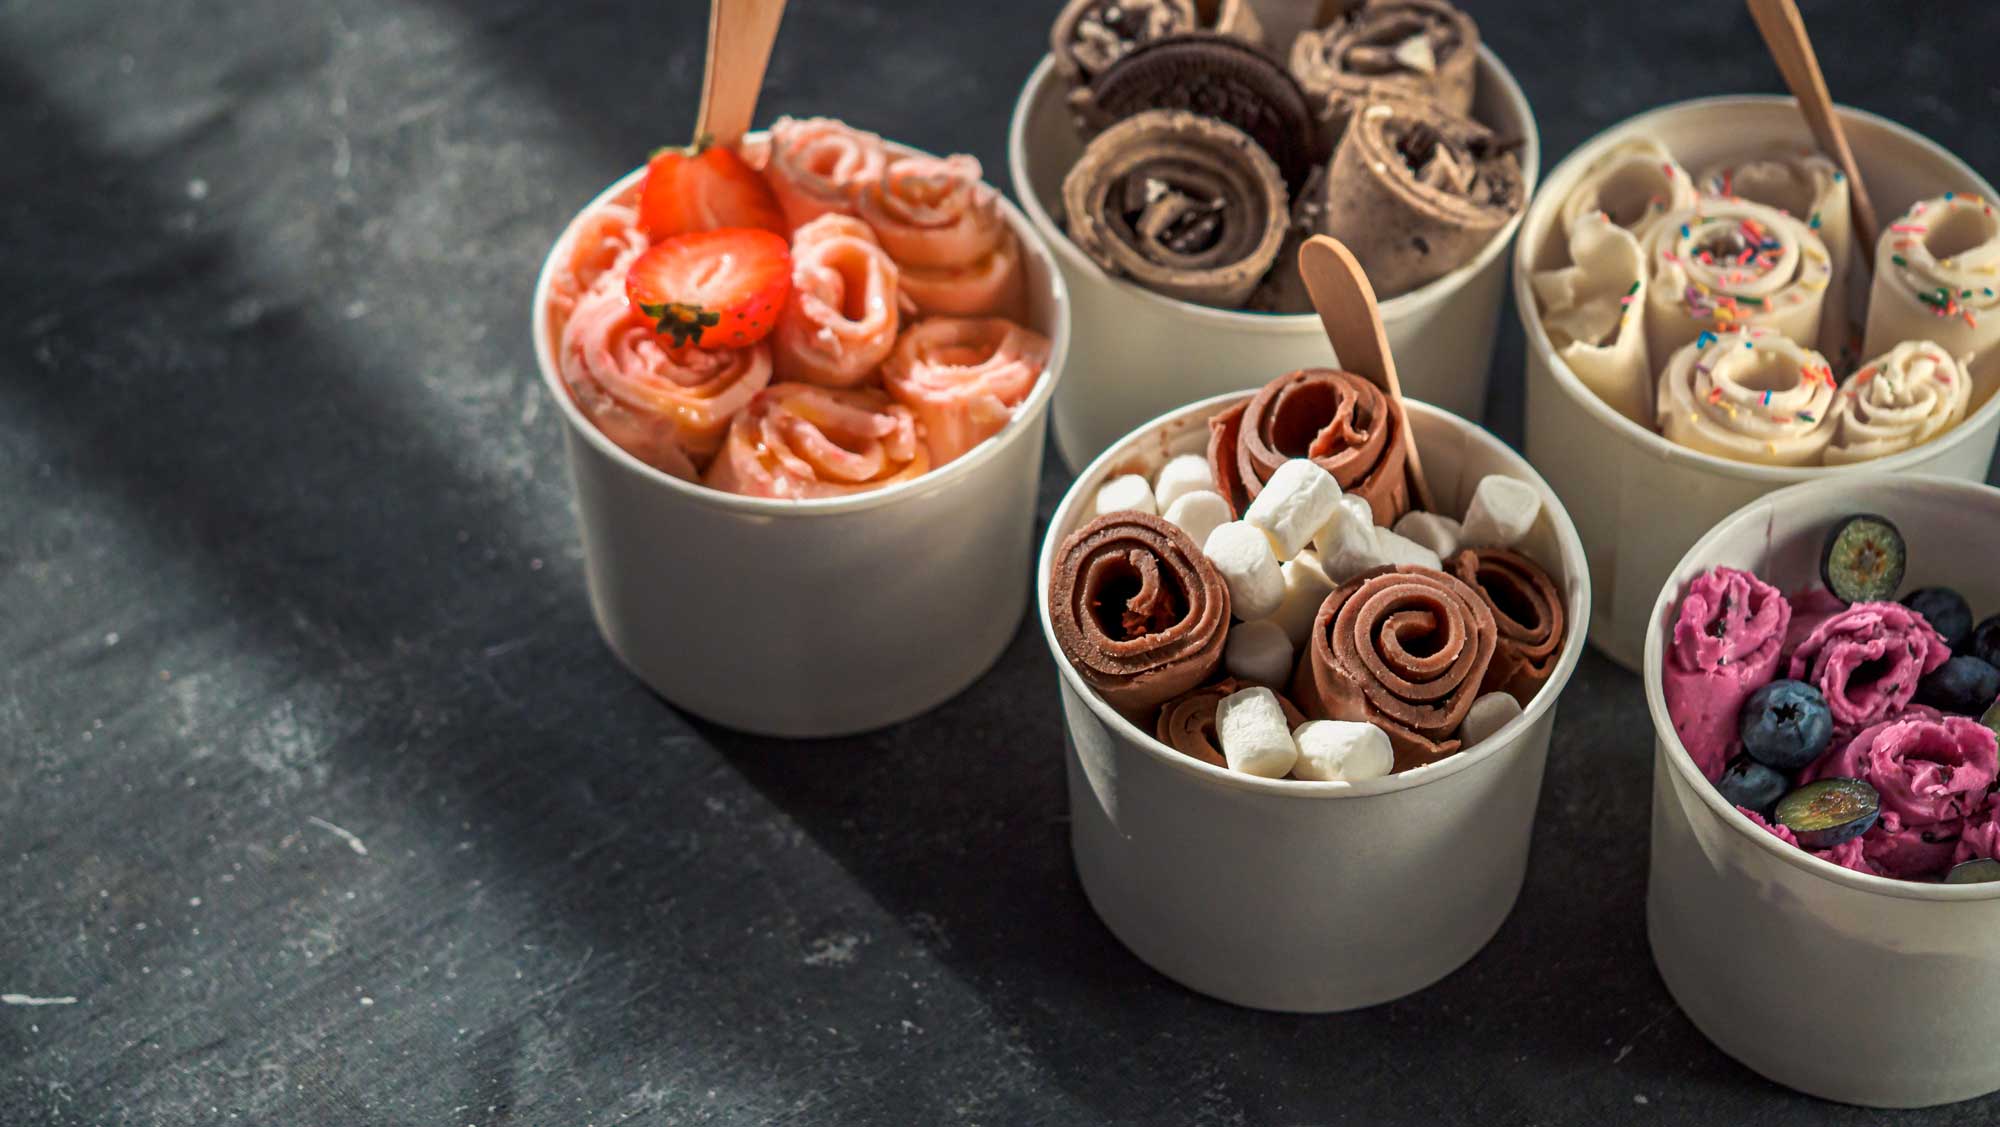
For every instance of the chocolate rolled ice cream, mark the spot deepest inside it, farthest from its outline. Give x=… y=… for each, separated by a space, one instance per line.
x=1138 y=609
x=1527 y=612
x=1404 y=648
x=1184 y=205
x=1424 y=50
x=1207 y=228
x=1415 y=191
x=1187 y=723
x=1340 y=421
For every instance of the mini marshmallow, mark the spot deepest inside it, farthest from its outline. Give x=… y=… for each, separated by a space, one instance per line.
x=1255 y=736
x=1258 y=651
x=1306 y=588
x=1242 y=553
x=1129 y=492
x=1352 y=527
x=1181 y=476
x=1295 y=504
x=1401 y=550
x=1488 y=714
x=1330 y=750
x=1199 y=513
x=1438 y=533
x=1503 y=509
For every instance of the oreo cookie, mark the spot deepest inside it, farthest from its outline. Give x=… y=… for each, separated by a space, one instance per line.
x=1219 y=77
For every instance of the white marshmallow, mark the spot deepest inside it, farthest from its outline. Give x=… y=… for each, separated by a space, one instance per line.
x=1487 y=715
x=1342 y=749
x=1242 y=553
x=1130 y=492
x=1503 y=509
x=1351 y=527
x=1198 y=514
x=1181 y=476
x=1255 y=736
x=1306 y=588
x=1433 y=531
x=1400 y=550
x=1258 y=651
x=1295 y=504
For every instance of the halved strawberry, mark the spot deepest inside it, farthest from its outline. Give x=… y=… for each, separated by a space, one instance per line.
x=713 y=289
x=705 y=187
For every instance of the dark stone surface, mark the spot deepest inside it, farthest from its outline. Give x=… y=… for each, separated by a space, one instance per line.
x=287 y=547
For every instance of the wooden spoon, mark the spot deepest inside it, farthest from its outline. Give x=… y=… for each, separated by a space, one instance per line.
x=1784 y=33
x=740 y=34
x=1353 y=322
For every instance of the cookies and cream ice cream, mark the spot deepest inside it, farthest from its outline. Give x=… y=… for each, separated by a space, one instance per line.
x=1421 y=50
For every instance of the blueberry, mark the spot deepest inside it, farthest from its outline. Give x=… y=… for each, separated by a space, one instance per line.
x=1785 y=725
x=1751 y=785
x=1979 y=871
x=1825 y=813
x=1863 y=559
x=1984 y=643
x=1946 y=610
x=1964 y=685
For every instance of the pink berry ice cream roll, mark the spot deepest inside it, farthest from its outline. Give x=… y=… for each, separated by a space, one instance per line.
x=1727 y=639
x=1935 y=776
x=1867 y=661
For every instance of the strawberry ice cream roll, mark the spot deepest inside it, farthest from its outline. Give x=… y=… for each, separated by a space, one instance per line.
x=1726 y=642
x=942 y=224
x=964 y=376
x=843 y=314
x=816 y=165
x=640 y=389
x=606 y=240
x=1867 y=660
x=1934 y=776
x=798 y=441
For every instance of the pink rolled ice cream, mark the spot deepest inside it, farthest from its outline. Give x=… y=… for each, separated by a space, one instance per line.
x=1782 y=833
x=1867 y=661
x=1934 y=775
x=1982 y=835
x=1726 y=642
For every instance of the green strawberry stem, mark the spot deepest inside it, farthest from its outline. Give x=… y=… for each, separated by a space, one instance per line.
x=686 y=322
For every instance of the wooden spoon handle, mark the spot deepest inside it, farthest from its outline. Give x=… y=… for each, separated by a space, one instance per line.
x=1353 y=322
x=1784 y=32
x=740 y=34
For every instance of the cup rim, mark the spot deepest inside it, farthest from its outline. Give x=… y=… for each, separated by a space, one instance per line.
x=1026 y=416
x=1041 y=79
x=1575 y=568
x=1676 y=754
x=1526 y=307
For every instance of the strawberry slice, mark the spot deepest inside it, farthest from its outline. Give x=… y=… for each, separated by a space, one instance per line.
x=705 y=187
x=713 y=289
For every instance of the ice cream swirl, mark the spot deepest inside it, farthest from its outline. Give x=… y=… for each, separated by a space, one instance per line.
x=1937 y=277
x=1418 y=49
x=1752 y=396
x=796 y=440
x=1728 y=264
x=1907 y=397
x=1338 y=419
x=1184 y=205
x=1090 y=35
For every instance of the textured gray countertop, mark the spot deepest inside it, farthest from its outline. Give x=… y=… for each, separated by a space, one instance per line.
x=322 y=799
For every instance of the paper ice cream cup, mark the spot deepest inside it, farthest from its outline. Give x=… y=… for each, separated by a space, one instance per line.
x=817 y=617
x=1638 y=499
x=1138 y=354
x=1307 y=896
x=1840 y=984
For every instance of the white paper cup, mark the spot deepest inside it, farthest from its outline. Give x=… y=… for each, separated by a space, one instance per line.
x=1304 y=896
x=1138 y=354
x=1843 y=985
x=1638 y=499
x=820 y=617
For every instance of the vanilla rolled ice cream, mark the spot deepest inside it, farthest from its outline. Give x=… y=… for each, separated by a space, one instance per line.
x=1908 y=396
x=1808 y=186
x=1751 y=396
x=1415 y=191
x=1182 y=204
x=1635 y=186
x=1730 y=263
x=1409 y=49
x=1593 y=310
x=1937 y=278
